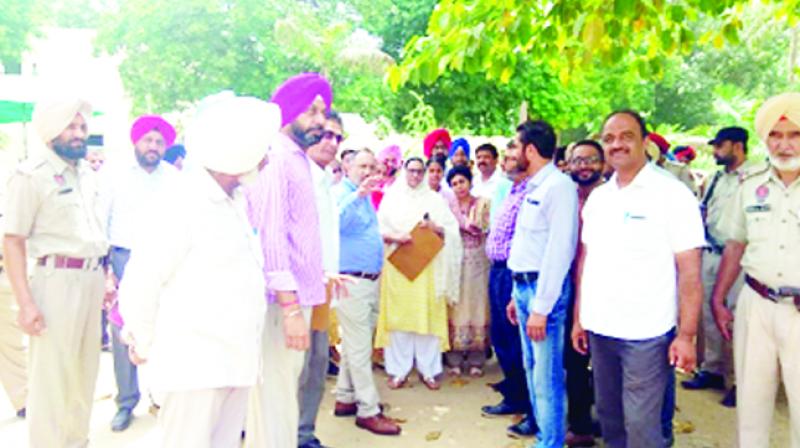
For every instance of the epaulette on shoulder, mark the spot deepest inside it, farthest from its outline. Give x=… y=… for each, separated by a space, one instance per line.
x=28 y=166
x=753 y=171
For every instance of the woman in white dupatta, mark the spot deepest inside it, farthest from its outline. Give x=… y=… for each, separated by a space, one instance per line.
x=412 y=324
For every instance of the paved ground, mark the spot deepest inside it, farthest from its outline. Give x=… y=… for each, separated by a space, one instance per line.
x=446 y=418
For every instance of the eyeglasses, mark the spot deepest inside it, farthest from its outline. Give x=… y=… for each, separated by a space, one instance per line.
x=417 y=172
x=583 y=161
x=330 y=135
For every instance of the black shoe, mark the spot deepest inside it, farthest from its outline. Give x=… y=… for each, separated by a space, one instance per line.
x=730 y=398
x=525 y=429
x=312 y=444
x=500 y=410
x=21 y=413
x=333 y=369
x=122 y=420
x=704 y=380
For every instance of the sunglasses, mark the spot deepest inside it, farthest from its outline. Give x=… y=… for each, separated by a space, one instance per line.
x=330 y=135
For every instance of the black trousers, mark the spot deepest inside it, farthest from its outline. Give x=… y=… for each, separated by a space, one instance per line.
x=580 y=393
x=505 y=340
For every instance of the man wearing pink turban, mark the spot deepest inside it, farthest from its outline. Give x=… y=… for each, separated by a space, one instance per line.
x=283 y=210
x=391 y=157
x=129 y=188
x=437 y=143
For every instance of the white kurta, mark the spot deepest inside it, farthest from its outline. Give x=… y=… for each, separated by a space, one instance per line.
x=193 y=292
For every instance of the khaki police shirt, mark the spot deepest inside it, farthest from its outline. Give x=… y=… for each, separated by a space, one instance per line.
x=683 y=173
x=721 y=198
x=765 y=215
x=55 y=206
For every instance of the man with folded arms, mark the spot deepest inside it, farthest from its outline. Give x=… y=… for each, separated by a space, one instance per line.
x=52 y=216
x=193 y=293
x=762 y=226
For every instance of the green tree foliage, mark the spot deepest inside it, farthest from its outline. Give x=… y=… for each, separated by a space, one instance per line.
x=17 y=21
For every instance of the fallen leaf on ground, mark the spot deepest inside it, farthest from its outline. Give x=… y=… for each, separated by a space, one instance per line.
x=433 y=435
x=399 y=420
x=683 y=427
x=458 y=382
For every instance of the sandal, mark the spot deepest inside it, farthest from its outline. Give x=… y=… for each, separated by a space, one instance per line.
x=475 y=372
x=396 y=382
x=430 y=383
x=454 y=371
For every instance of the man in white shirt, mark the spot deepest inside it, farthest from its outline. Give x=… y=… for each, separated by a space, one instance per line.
x=128 y=191
x=542 y=250
x=312 y=378
x=193 y=294
x=486 y=182
x=640 y=256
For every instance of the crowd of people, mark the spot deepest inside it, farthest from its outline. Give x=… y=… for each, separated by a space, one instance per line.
x=591 y=271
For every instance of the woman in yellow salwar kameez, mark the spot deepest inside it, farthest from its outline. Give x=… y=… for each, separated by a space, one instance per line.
x=412 y=324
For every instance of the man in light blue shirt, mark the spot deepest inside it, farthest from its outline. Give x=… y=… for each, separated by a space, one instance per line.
x=361 y=256
x=542 y=250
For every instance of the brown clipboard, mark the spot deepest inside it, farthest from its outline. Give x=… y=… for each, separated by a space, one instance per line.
x=412 y=258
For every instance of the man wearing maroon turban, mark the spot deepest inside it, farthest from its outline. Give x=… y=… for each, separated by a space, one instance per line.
x=437 y=143
x=129 y=188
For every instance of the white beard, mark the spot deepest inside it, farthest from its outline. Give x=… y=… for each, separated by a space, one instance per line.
x=792 y=164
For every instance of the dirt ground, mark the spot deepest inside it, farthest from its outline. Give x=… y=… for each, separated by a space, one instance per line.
x=449 y=417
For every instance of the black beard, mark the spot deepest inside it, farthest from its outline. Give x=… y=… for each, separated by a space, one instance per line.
x=724 y=161
x=585 y=182
x=70 y=152
x=144 y=162
x=305 y=138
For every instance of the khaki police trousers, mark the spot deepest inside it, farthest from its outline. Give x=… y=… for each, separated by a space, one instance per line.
x=64 y=360
x=716 y=353
x=767 y=350
x=12 y=348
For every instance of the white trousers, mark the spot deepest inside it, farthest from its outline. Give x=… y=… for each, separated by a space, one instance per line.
x=407 y=348
x=205 y=418
x=273 y=412
x=766 y=340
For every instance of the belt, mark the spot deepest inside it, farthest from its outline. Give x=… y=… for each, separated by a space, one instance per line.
x=499 y=264
x=525 y=277
x=364 y=275
x=717 y=250
x=773 y=294
x=62 y=262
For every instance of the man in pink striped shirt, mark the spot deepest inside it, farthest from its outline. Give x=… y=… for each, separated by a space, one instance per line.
x=282 y=209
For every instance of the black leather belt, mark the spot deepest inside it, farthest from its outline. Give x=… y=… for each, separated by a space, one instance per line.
x=771 y=294
x=364 y=275
x=499 y=264
x=525 y=277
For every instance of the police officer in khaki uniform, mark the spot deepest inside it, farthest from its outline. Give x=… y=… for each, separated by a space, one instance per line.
x=730 y=151
x=53 y=218
x=763 y=230
x=12 y=347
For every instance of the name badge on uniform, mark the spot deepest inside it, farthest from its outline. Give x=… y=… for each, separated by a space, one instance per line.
x=532 y=201
x=65 y=191
x=634 y=217
x=760 y=208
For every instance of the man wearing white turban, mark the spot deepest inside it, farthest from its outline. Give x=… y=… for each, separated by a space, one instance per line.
x=763 y=239
x=52 y=217
x=193 y=296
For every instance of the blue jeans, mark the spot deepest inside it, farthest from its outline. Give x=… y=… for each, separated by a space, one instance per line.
x=505 y=339
x=544 y=365
x=125 y=372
